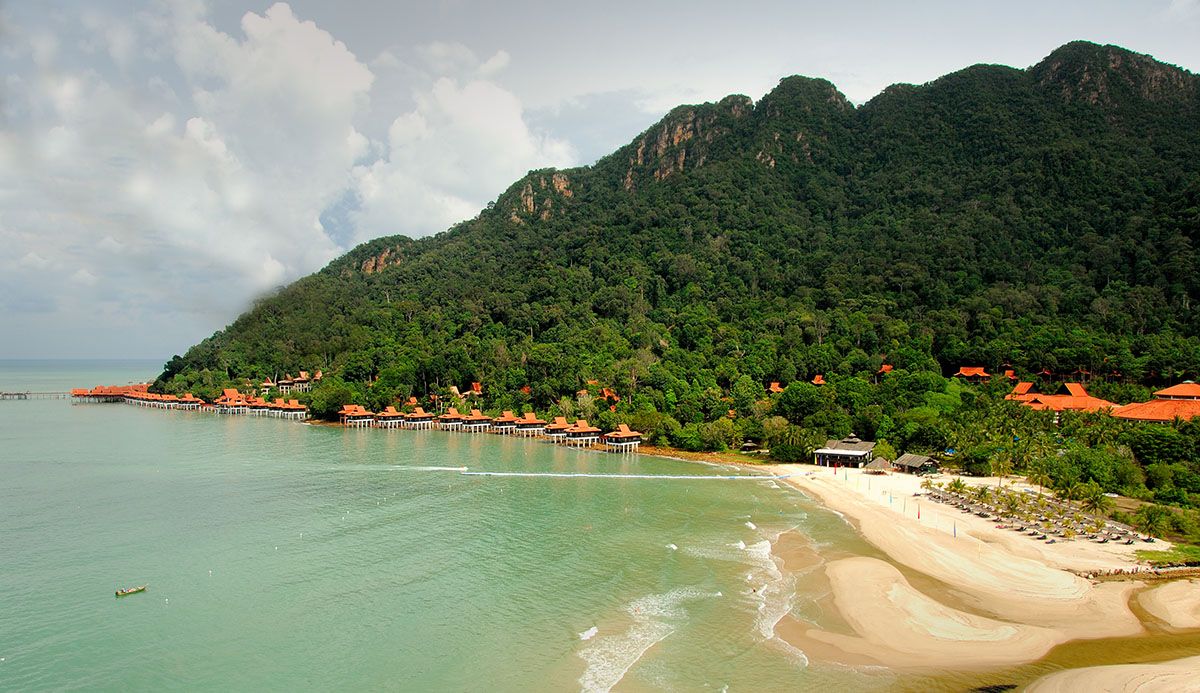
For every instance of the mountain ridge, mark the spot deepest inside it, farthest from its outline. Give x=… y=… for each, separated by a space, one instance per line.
x=966 y=218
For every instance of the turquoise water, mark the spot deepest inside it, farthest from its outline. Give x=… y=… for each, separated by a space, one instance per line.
x=287 y=556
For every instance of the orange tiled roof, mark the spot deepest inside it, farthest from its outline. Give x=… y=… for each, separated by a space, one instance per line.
x=506 y=417
x=624 y=432
x=451 y=414
x=885 y=368
x=582 y=426
x=530 y=418
x=973 y=371
x=1184 y=390
x=774 y=387
x=560 y=424
x=1078 y=399
x=819 y=379
x=1160 y=410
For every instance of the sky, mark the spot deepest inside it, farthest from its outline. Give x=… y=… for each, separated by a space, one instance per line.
x=163 y=164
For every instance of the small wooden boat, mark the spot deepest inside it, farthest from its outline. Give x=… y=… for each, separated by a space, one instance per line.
x=131 y=590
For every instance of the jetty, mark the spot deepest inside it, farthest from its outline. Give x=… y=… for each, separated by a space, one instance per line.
x=34 y=395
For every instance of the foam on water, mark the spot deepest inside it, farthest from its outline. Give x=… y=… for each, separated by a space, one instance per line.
x=609 y=658
x=751 y=525
x=589 y=633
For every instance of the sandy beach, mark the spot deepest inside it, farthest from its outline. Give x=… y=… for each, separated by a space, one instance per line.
x=1176 y=604
x=1013 y=598
x=1178 y=676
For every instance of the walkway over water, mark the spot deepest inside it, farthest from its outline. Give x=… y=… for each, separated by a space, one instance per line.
x=34 y=395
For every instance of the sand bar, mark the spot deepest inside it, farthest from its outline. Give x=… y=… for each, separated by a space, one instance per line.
x=1176 y=603
x=1178 y=676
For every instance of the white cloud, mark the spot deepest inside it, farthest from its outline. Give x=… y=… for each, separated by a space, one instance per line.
x=464 y=142
x=171 y=169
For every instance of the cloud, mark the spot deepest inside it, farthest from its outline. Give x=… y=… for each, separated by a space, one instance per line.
x=464 y=141
x=159 y=170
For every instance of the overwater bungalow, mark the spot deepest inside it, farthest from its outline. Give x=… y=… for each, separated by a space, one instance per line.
x=582 y=434
x=230 y=402
x=418 y=419
x=294 y=410
x=354 y=416
x=505 y=424
x=623 y=439
x=530 y=425
x=451 y=420
x=256 y=406
x=190 y=402
x=557 y=431
x=476 y=422
x=389 y=418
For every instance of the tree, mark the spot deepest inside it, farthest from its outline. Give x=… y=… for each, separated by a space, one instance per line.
x=884 y=449
x=799 y=401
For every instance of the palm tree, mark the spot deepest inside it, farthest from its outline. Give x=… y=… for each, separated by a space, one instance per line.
x=1097 y=503
x=956 y=486
x=1038 y=477
x=981 y=493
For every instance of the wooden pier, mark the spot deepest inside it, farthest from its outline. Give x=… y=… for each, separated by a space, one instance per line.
x=34 y=395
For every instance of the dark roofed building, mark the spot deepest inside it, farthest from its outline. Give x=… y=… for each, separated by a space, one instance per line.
x=847 y=452
x=915 y=464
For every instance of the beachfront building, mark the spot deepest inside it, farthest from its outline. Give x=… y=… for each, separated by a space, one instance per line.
x=582 y=434
x=418 y=419
x=389 y=418
x=505 y=424
x=847 y=452
x=915 y=464
x=1180 y=401
x=973 y=374
x=451 y=420
x=530 y=425
x=557 y=430
x=476 y=422
x=354 y=416
x=623 y=439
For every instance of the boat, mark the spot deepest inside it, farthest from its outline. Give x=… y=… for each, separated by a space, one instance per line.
x=132 y=590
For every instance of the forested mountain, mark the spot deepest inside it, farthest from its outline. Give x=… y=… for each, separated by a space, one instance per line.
x=1043 y=218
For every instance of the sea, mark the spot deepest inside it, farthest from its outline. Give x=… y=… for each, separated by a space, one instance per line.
x=286 y=556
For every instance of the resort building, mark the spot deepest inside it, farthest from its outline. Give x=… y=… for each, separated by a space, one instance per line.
x=451 y=420
x=264 y=388
x=847 y=452
x=557 y=431
x=582 y=434
x=1180 y=401
x=505 y=424
x=258 y=407
x=354 y=416
x=230 y=402
x=476 y=422
x=189 y=402
x=389 y=418
x=883 y=370
x=302 y=383
x=915 y=464
x=530 y=425
x=1069 y=397
x=819 y=379
x=419 y=419
x=973 y=374
x=285 y=384
x=623 y=439
x=774 y=388
x=292 y=409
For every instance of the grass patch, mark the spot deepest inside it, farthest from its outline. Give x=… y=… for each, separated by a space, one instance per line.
x=1179 y=554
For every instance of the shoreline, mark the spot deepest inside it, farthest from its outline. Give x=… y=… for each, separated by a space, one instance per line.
x=997 y=599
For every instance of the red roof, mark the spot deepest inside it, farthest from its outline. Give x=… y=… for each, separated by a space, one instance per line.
x=624 y=432
x=530 y=418
x=560 y=424
x=1160 y=410
x=1184 y=390
x=775 y=387
x=973 y=372
x=818 y=380
x=1077 y=399
x=885 y=368
x=582 y=426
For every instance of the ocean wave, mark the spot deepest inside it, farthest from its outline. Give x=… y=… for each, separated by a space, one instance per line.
x=609 y=658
